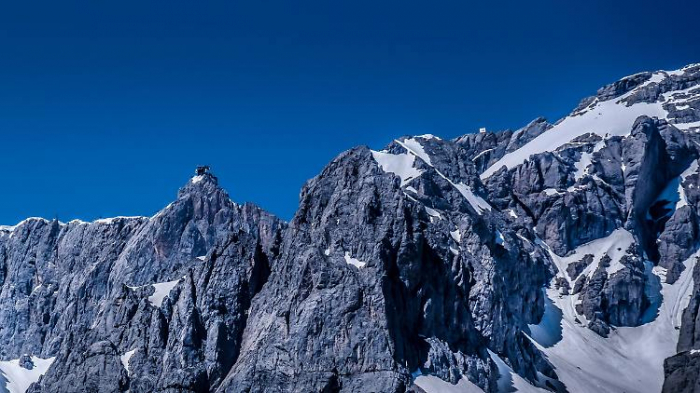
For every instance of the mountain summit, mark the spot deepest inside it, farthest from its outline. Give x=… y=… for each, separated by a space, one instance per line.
x=556 y=257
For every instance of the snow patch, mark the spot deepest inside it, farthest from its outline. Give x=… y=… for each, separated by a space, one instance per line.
x=433 y=213
x=414 y=147
x=17 y=379
x=433 y=384
x=551 y=191
x=456 y=235
x=162 y=290
x=399 y=164
x=125 y=360
x=614 y=245
x=428 y=136
x=197 y=179
x=353 y=261
x=477 y=202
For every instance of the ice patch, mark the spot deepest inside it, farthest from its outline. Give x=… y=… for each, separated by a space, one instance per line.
x=17 y=379
x=353 y=261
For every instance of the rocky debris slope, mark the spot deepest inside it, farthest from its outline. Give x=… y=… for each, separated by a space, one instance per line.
x=525 y=260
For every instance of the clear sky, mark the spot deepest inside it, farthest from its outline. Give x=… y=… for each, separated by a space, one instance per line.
x=106 y=107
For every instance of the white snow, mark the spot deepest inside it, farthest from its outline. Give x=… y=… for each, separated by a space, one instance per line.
x=412 y=189
x=162 y=289
x=606 y=119
x=399 y=164
x=197 y=179
x=353 y=261
x=585 y=161
x=327 y=252
x=433 y=213
x=415 y=147
x=456 y=235
x=433 y=384
x=477 y=202
x=112 y=219
x=509 y=381
x=551 y=191
x=125 y=359
x=511 y=213
x=428 y=136
x=630 y=359
x=687 y=126
x=454 y=250
x=476 y=157
x=614 y=245
x=17 y=379
x=202 y=257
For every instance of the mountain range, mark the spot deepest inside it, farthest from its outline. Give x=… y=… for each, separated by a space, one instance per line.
x=557 y=257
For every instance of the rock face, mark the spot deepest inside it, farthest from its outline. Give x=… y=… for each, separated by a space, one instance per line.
x=477 y=262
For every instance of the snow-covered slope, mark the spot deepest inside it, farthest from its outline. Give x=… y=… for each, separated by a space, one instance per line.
x=608 y=117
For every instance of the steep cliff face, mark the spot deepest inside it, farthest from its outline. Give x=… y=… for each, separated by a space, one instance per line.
x=558 y=257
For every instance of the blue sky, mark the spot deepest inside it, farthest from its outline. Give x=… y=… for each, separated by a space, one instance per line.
x=107 y=107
